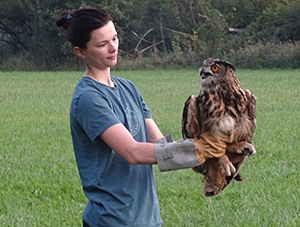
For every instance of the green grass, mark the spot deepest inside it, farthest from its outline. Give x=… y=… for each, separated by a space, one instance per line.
x=39 y=180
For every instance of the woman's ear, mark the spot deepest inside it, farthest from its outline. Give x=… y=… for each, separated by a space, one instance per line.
x=78 y=52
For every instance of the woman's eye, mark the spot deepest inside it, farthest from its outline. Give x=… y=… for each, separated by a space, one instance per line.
x=101 y=44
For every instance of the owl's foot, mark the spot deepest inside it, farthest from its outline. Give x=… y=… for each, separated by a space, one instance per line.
x=246 y=148
x=227 y=168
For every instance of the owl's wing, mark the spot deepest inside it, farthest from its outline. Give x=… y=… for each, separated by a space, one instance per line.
x=251 y=111
x=190 y=125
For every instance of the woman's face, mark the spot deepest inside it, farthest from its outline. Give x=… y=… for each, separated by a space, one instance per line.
x=102 y=49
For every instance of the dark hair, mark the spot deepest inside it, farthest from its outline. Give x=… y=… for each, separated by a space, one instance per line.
x=80 y=23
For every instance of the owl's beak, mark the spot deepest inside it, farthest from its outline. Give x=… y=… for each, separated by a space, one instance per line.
x=204 y=74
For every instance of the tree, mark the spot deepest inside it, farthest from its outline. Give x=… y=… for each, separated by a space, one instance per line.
x=186 y=28
x=278 y=22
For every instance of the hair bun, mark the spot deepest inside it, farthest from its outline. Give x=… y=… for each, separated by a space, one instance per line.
x=64 y=20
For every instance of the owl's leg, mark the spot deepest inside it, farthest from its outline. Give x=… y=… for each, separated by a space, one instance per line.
x=241 y=148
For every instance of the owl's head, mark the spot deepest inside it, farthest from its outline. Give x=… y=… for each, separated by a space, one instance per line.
x=214 y=70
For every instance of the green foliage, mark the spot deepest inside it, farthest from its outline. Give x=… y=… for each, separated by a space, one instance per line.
x=267 y=55
x=185 y=28
x=40 y=184
x=277 y=22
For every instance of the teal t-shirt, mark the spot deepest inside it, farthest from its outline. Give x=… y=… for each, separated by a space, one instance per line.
x=119 y=194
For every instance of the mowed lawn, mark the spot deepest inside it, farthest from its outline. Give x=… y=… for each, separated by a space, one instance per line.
x=40 y=185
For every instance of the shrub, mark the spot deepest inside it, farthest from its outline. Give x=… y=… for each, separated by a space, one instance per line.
x=268 y=55
x=254 y=56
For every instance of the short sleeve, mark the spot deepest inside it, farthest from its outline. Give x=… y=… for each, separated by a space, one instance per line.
x=95 y=114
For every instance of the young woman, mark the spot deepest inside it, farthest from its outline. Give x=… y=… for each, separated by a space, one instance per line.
x=113 y=133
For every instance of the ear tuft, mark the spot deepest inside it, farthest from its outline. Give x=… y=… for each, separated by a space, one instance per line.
x=227 y=63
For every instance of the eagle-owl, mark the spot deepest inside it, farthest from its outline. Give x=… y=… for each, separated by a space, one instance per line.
x=222 y=109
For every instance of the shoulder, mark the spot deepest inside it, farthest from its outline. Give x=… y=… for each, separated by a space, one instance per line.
x=126 y=86
x=87 y=94
x=87 y=87
x=82 y=86
x=122 y=81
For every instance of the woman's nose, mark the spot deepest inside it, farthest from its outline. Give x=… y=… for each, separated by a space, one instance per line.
x=113 y=46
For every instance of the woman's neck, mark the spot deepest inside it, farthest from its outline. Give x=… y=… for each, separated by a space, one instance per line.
x=101 y=76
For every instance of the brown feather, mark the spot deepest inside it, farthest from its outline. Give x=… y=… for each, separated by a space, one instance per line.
x=221 y=108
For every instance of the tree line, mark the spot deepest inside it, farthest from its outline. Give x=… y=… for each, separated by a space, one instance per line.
x=256 y=33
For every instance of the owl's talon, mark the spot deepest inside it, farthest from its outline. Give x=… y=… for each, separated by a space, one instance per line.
x=227 y=168
x=240 y=152
x=249 y=150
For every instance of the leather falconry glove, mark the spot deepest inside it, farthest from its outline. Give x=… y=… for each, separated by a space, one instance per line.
x=190 y=153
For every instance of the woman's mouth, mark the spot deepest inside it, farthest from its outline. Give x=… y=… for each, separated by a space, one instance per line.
x=112 y=57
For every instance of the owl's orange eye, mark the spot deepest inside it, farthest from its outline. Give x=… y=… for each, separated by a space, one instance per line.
x=215 y=68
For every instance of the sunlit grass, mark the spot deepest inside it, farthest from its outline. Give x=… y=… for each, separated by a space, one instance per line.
x=39 y=180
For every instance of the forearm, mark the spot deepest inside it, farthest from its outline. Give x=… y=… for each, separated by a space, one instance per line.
x=169 y=156
x=141 y=153
x=120 y=140
x=153 y=132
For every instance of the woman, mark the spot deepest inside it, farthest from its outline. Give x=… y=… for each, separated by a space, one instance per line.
x=113 y=133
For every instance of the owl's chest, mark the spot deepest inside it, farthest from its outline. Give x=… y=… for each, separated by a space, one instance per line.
x=217 y=114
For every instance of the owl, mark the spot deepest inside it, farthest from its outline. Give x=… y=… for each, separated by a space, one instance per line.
x=224 y=110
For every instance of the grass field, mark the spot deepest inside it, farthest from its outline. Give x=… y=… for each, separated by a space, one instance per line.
x=39 y=181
